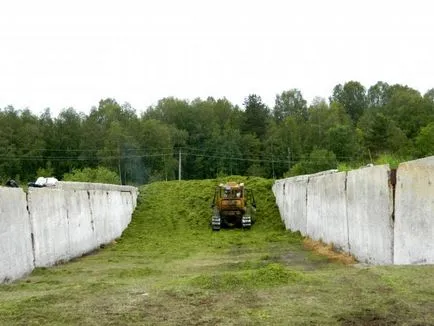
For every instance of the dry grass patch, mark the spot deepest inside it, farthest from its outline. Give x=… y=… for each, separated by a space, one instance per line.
x=329 y=251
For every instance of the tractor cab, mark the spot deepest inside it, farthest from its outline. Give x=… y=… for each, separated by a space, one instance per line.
x=233 y=205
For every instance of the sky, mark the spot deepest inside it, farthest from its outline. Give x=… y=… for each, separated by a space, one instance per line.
x=60 y=54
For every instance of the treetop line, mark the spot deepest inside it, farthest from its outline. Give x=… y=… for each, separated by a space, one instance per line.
x=354 y=127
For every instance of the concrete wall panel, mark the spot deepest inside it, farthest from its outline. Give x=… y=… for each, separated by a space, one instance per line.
x=49 y=218
x=16 y=253
x=118 y=213
x=81 y=229
x=369 y=212
x=129 y=206
x=326 y=209
x=295 y=203
x=414 y=212
x=278 y=192
x=99 y=206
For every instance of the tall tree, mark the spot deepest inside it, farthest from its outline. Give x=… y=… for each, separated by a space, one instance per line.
x=290 y=103
x=30 y=141
x=378 y=95
x=172 y=111
x=67 y=136
x=353 y=98
x=424 y=140
x=381 y=134
x=256 y=116
x=408 y=109
x=157 y=147
x=429 y=95
x=345 y=141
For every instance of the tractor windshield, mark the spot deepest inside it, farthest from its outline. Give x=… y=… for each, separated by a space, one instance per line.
x=232 y=193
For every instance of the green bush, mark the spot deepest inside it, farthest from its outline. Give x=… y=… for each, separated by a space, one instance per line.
x=319 y=160
x=392 y=160
x=99 y=175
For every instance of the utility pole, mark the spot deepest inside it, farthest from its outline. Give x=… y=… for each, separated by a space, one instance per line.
x=179 y=165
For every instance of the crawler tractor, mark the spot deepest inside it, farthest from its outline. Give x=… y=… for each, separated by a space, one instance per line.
x=233 y=206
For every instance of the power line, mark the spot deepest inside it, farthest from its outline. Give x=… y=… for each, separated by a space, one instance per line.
x=147 y=153
x=80 y=158
x=91 y=150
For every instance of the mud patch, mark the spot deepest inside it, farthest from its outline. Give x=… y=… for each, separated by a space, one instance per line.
x=302 y=261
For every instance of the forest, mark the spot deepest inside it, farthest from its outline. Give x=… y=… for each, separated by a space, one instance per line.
x=206 y=138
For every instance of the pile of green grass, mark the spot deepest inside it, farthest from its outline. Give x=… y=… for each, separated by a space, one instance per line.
x=170 y=268
x=174 y=217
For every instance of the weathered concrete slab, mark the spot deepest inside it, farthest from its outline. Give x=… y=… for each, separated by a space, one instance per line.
x=109 y=215
x=327 y=209
x=278 y=192
x=414 y=212
x=49 y=218
x=369 y=213
x=81 y=229
x=129 y=204
x=16 y=253
x=295 y=203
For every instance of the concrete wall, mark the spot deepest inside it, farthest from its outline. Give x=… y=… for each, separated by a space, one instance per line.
x=16 y=253
x=291 y=198
x=59 y=223
x=414 y=212
x=360 y=212
x=370 y=214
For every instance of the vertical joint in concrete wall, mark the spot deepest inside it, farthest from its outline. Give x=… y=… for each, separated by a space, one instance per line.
x=92 y=223
x=392 y=182
x=32 y=237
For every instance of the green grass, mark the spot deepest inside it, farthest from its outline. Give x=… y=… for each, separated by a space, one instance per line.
x=169 y=268
x=391 y=159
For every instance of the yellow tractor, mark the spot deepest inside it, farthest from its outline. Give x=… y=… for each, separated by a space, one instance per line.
x=233 y=206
